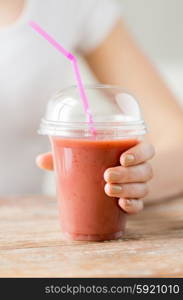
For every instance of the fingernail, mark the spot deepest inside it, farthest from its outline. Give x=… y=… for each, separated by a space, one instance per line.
x=130 y=202
x=113 y=175
x=128 y=159
x=127 y=202
x=115 y=188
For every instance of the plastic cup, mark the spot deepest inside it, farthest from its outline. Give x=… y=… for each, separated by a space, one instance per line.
x=81 y=157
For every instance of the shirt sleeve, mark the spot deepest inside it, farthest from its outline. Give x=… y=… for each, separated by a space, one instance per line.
x=98 y=19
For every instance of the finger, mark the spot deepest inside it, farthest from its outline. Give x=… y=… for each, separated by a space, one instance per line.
x=128 y=190
x=131 y=206
x=139 y=173
x=45 y=161
x=137 y=154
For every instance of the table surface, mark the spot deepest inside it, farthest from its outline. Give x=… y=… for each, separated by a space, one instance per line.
x=31 y=244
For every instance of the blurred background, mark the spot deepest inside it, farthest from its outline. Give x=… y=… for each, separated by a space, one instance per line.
x=157 y=26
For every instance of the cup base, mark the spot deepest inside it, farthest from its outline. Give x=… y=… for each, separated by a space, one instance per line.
x=92 y=237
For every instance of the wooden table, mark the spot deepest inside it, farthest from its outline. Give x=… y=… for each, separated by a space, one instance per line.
x=31 y=244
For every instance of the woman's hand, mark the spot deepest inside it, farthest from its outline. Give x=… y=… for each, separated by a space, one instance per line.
x=128 y=182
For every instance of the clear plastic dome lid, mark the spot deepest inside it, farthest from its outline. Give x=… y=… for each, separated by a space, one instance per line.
x=115 y=113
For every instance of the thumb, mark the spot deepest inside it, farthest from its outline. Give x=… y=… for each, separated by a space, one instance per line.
x=45 y=161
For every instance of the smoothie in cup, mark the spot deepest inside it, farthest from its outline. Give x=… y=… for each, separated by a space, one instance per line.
x=81 y=157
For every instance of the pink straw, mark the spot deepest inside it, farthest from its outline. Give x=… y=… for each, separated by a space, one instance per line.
x=73 y=59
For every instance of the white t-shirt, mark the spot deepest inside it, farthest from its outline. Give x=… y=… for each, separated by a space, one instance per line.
x=31 y=71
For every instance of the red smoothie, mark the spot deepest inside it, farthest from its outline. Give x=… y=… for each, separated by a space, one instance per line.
x=86 y=212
